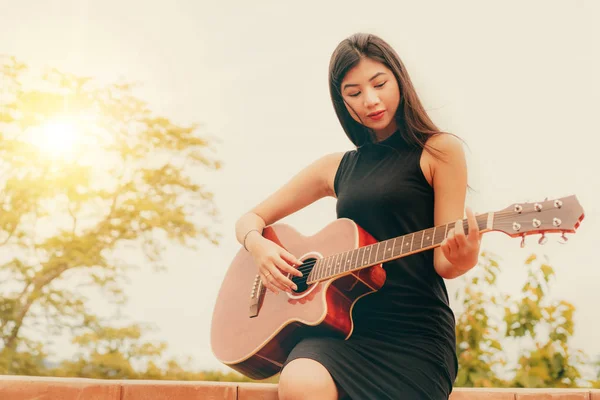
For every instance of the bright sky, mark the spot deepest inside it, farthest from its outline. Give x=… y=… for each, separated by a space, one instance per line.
x=517 y=80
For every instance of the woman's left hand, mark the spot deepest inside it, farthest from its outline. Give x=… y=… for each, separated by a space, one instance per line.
x=461 y=250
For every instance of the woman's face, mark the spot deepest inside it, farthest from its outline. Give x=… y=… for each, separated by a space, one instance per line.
x=371 y=94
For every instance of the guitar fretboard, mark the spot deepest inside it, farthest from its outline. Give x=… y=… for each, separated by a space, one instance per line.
x=386 y=250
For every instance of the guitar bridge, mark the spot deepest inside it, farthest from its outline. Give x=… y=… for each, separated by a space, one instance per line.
x=257 y=291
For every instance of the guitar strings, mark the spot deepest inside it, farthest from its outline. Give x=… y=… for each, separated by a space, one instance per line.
x=500 y=217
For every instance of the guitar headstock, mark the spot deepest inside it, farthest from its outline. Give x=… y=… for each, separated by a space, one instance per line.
x=563 y=215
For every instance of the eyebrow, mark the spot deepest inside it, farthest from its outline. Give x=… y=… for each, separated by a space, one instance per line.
x=347 y=85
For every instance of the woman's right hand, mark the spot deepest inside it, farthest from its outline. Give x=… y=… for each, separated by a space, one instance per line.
x=273 y=263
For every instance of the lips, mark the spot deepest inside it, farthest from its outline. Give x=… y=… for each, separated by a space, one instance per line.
x=377 y=115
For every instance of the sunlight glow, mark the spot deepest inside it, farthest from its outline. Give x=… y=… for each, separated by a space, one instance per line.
x=58 y=138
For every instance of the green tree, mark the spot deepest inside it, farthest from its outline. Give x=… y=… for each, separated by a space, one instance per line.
x=121 y=353
x=540 y=325
x=595 y=382
x=69 y=214
x=549 y=323
x=478 y=346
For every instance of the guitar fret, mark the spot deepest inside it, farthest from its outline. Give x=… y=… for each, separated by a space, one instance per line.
x=333 y=263
x=327 y=268
x=417 y=245
x=401 y=246
x=381 y=250
x=315 y=271
x=352 y=259
x=361 y=255
x=340 y=264
x=429 y=234
x=329 y=265
x=320 y=271
x=372 y=255
x=348 y=265
x=374 y=251
x=310 y=274
x=366 y=254
x=347 y=261
x=408 y=246
x=439 y=236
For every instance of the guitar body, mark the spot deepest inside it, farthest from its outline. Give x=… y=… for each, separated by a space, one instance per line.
x=258 y=346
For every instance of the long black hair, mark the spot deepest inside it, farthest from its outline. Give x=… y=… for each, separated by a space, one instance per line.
x=411 y=118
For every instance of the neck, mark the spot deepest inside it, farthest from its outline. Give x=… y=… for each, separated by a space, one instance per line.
x=381 y=135
x=387 y=250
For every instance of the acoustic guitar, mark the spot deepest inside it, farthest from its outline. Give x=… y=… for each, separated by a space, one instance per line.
x=253 y=330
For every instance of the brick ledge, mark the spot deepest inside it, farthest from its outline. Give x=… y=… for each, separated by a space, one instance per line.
x=13 y=387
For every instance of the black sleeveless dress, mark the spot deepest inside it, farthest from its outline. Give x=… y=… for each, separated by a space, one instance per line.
x=403 y=345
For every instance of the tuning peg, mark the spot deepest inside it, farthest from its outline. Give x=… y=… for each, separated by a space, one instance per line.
x=522 y=241
x=563 y=239
x=543 y=239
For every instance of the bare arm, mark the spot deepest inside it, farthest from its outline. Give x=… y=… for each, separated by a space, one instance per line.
x=450 y=186
x=309 y=185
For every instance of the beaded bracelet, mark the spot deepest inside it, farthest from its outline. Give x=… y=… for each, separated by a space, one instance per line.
x=246 y=235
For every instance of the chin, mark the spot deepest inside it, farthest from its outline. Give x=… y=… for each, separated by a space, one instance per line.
x=381 y=126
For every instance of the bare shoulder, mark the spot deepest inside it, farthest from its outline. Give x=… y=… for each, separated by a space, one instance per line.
x=449 y=145
x=449 y=163
x=327 y=167
x=444 y=150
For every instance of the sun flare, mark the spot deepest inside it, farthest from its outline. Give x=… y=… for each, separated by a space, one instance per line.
x=58 y=137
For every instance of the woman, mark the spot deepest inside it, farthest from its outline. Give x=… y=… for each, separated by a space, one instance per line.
x=404 y=176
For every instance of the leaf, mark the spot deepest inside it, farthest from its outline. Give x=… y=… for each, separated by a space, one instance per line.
x=530 y=259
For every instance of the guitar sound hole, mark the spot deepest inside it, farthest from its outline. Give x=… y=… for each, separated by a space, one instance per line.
x=305 y=268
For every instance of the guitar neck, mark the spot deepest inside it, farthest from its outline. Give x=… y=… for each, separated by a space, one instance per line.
x=391 y=249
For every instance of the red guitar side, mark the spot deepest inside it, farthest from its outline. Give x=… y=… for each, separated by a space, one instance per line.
x=254 y=330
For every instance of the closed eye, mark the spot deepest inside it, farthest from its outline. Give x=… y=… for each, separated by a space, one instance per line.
x=377 y=86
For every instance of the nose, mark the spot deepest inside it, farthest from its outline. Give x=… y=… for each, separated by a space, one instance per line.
x=371 y=98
